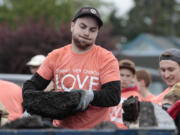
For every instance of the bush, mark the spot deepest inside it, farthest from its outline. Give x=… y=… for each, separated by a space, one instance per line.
x=36 y=37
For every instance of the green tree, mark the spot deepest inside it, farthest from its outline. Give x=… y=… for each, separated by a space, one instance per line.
x=159 y=17
x=56 y=11
x=116 y=23
x=153 y=16
x=13 y=10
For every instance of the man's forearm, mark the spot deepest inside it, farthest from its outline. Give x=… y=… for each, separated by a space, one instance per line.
x=109 y=95
x=35 y=83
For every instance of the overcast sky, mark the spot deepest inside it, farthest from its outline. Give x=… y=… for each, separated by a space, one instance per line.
x=123 y=6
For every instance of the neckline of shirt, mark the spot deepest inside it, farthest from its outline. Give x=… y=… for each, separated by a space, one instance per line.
x=83 y=54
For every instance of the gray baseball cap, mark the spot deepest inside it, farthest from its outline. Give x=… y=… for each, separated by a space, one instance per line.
x=171 y=54
x=89 y=11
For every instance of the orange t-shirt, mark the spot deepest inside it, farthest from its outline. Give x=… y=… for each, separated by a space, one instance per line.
x=158 y=99
x=131 y=91
x=88 y=71
x=11 y=98
x=149 y=98
x=116 y=112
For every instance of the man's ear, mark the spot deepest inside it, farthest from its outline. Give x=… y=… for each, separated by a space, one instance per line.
x=72 y=26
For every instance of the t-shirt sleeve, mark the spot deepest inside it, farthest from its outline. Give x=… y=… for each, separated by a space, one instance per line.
x=47 y=67
x=14 y=104
x=109 y=69
x=19 y=99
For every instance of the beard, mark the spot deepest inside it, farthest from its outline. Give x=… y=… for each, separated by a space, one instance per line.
x=82 y=43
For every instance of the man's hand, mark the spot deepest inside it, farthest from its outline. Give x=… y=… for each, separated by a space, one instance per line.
x=86 y=97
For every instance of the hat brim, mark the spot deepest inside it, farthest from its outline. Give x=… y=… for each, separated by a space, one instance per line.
x=33 y=64
x=100 y=23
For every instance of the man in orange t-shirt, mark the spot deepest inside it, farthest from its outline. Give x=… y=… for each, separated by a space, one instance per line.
x=143 y=79
x=82 y=65
x=11 y=98
x=169 y=64
x=128 y=88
